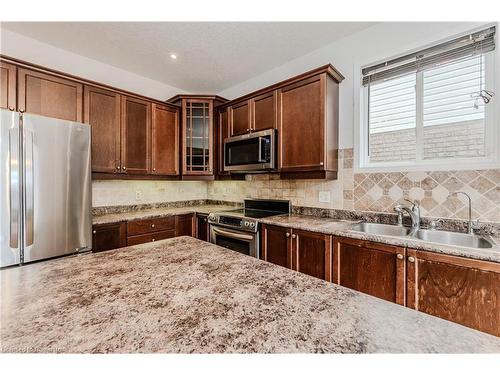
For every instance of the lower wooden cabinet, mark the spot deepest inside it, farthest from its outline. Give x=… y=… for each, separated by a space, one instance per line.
x=109 y=236
x=202 y=232
x=462 y=290
x=369 y=267
x=303 y=251
x=184 y=225
x=150 y=237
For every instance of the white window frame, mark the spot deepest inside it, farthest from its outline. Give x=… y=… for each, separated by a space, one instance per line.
x=492 y=133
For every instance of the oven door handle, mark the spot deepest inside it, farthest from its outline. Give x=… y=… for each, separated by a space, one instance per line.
x=232 y=234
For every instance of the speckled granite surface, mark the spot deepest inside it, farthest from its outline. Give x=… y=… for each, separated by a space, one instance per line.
x=157 y=212
x=343 y=228
x=182 y=296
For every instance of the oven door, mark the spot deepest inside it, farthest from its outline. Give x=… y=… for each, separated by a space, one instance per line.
x=250 y=152
x=242 y=242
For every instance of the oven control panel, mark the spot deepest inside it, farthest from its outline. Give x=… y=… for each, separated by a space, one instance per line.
x=236 y=222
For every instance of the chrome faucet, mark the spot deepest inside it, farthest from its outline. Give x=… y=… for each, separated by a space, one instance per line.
x=470 y=224
x=413 y=212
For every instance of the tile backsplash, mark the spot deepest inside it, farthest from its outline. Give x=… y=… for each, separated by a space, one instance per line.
x=375 y=192
x=119 y=192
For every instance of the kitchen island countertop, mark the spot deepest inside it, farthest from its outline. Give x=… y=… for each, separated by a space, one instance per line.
x=183 y=295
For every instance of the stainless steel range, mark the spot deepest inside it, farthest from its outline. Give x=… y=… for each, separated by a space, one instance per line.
x=238 y=229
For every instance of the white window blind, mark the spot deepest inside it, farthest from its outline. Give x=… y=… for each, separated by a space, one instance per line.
x=432 y=112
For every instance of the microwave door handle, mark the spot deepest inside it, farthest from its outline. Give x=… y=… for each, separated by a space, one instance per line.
x=262 y=159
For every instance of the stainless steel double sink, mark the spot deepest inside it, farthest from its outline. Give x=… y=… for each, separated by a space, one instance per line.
x=436 y=236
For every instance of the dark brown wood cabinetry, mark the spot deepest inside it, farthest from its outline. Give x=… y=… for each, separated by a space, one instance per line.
x=184 y=225
x=109 y=236
x=305 y=111
x=240 y=118
x=165 y=141
x=135 y=133
x=465 y=291
x=276 y=245
x=8 y=86
x=49 y=95
x=369 y=267
x=102 y=112
x=222 y=133
x=303 y=251
x=202 y=232
x=263 y=111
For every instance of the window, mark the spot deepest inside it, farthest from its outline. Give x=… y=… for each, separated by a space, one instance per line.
x=425 y=109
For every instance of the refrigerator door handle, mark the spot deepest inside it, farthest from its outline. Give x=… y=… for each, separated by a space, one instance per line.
x=28 y=186
x=14 y=186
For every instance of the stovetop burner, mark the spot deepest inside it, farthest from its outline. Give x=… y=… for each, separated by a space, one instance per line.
x=246 y=218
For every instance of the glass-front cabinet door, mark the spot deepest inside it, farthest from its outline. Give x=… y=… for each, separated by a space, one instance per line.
x=197 y=137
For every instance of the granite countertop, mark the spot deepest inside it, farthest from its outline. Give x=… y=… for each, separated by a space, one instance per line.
x=344 y=228
x=157 y=212
x=183 y=295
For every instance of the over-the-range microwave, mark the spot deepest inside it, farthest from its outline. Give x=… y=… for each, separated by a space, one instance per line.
x=251 y=152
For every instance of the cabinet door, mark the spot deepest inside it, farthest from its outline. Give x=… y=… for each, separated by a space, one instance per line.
x=276 y=245
x=312 y=254
x=240 y=118
x=8 y=86
x=301 y=125
x=135 y=133
x=48 y=95
x=165 y=141
x=223 y=134
x=109 y=236
x=264 y=111
x=202 y=227
x=197 y=135
x=102 y=112
x=372 y=268
x=464 y=291
x=184 y=225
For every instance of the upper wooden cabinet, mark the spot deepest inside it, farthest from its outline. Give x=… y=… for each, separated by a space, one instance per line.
x=197 y=145
x=308 y=127
x=305 y=110
x=465 y=291
x=49 y=95
x=263 y=111
x=135 y=133
x=102 y=112
x=240 y=118
x=8 y=86
x=303 y=251
x=255 y=114
x=165 y=141
x=369 y=267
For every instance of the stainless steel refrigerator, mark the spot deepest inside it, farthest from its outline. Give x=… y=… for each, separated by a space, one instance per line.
x=45 y=190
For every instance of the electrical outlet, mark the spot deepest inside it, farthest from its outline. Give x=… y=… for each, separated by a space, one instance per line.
x=138 y=195
x=324 y=196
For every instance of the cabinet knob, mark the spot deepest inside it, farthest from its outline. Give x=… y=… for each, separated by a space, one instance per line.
x=94 y=232
x=153 y=240
x=11 y=108
x=21 y=110
x=321 y=163
x=117 y=167
x=400 y=256
x=294 y=236
x=248 y=129
x=154 y=169
x=205 y=220
x=152 y=225
x=411 y=259
x=124 y=168
x=287 y=234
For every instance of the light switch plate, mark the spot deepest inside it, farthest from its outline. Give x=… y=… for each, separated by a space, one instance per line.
x=324 y=196
x=138 y=195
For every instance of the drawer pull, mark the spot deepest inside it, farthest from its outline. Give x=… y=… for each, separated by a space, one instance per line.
x=94 y=232
x=153 y=240
x=411 y=259
x=287 y=234
x=400 y=256
x=294 y=236
x=152 y=225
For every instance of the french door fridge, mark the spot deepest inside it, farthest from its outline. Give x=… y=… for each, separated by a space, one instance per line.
x=45 y=190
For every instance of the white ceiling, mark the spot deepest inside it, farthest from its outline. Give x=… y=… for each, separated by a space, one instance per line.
x=211 y=56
